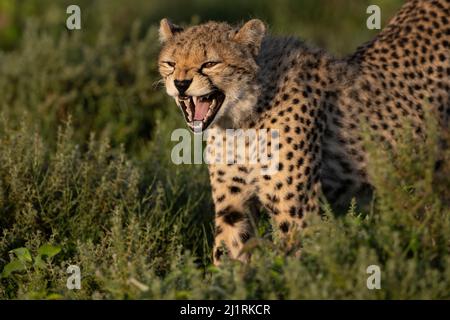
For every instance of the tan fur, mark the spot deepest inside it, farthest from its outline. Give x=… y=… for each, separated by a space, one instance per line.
x=316 y=102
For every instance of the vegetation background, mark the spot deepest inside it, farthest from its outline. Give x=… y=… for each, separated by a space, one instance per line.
x=86 y=176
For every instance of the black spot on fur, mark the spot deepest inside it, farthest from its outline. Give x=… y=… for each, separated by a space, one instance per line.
x=232 y=217
x=218 y=254
x=234 y=189
x=239 y=180
x=284 y=227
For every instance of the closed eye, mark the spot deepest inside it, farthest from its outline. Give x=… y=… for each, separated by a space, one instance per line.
x=210 y=64
x=170 y=63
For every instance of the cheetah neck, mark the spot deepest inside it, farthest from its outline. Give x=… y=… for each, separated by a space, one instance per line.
x=284 y=62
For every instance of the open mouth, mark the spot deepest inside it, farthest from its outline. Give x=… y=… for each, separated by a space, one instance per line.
x=199 y=111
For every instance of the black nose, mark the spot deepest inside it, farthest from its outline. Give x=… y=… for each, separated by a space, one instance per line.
x=182 y=85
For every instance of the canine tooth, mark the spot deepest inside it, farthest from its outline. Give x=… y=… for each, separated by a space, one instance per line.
x=211 y=109
x=189 y=113
x=186 y=104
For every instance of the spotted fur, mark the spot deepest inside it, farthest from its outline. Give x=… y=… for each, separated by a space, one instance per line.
x=317 y=102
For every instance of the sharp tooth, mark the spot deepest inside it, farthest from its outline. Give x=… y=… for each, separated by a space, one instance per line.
x=211 y=109
x=195 y=99
x=189 y=113
x=187 y=109
x=208 y=114
x=187 y=105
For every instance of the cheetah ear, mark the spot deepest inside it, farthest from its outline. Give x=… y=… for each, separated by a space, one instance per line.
x=167 y=30
x=251 y=34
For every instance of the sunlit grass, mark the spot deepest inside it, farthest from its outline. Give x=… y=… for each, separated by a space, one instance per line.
x=85 y=170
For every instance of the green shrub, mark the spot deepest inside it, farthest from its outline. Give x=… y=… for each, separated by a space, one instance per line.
x=133 y=241
x=85 y=169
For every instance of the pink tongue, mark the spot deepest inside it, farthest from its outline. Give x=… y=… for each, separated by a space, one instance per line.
x=201 y=109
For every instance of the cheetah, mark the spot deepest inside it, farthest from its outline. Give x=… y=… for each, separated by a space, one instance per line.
x=227 y=77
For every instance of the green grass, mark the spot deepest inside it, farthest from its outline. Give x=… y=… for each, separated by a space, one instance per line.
x=86 y=176
x=138 y=240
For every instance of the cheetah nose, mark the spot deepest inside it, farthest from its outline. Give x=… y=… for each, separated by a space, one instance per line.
x=182 y=85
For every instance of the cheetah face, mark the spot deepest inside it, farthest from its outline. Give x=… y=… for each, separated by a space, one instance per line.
x=208 y=68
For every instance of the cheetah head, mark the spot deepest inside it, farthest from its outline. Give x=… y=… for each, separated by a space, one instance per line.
x=208 y=68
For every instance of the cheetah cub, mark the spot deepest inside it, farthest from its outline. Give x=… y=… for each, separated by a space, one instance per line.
x=224 y=77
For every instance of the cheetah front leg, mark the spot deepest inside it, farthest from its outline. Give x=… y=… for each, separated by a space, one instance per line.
x=233 y=229
x=234 y=223
x=292 y=192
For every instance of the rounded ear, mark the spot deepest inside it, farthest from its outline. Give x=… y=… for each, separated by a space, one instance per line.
x=167 y=30
x=251 y=34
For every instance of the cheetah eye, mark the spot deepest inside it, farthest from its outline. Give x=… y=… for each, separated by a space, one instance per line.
x=209 y=64
x=170 y=64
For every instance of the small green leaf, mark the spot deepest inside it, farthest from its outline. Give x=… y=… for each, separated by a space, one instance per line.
x=38 y=262
x=48 y=250
x=23 y=254
x=14 y=266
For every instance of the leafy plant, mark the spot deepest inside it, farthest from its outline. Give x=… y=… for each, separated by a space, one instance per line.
x=24 y=261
